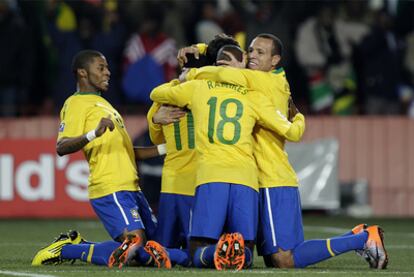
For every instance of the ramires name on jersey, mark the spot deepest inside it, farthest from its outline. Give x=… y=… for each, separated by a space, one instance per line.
x=237 y=88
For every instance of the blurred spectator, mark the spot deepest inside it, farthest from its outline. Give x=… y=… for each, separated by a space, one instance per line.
x=178 y=15
x=139 y=38
x=34 y=13
x=379 y=57
x=149 y=56
x=101 y=29
x=17 y=60
x=208 y=26
x=65 y=41
x=324 y=47
x=232 y=22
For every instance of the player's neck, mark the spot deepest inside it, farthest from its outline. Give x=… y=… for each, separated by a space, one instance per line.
x=82 y=89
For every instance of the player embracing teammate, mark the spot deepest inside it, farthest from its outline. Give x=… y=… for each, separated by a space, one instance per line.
x=245 y=190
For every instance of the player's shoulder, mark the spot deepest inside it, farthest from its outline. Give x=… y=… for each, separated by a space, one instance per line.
x=78 y=101
x=279 y=79
x=193 y=83
x=256 y=97
x=70 y=101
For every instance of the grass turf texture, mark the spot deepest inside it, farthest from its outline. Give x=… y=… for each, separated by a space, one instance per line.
x=20 y=240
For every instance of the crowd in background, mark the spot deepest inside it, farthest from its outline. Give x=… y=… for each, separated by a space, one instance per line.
x=341 y=57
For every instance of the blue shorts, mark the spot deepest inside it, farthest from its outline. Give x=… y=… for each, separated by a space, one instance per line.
x=174 y=219
x=125 y=210
x=280 y=220
x=224 y=207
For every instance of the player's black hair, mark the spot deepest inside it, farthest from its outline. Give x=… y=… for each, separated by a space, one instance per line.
x=214 y=46
x=277 y=48
x=83 y=58
x=193 y=62
x=236 y=51
x=212 y=49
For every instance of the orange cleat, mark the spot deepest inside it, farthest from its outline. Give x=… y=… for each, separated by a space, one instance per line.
x=229 y=252
x=359 y=228
x=126 y=252
x=222 y=253
x=375 y=249
x=158 y=254
x=238 y=254
x=361 y=252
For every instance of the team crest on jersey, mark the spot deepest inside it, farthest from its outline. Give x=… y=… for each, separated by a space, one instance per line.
x=135 y=214
x=61 y=127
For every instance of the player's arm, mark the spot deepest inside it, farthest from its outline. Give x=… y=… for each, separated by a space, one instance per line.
x=146 y=152
x=223 y=74
x=175 y=94
x=159 y=115
x=167 y=114
x=297 y=129
x=68 y=145
x=273 y=119
x=155 y=130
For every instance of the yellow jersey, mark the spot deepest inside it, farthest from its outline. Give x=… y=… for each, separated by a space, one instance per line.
x=275 y=169
x=110 y=157
x=224 y=116
x=179 y=170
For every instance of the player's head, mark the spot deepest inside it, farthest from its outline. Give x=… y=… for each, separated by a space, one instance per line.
x=227 y=50
x=91 y=70
x=212 y=49
x=265 y=52
x=214 y=46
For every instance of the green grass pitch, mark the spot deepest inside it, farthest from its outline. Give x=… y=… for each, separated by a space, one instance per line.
x=20 y=240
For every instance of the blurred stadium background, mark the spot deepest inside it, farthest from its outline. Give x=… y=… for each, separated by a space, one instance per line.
x=350 y=65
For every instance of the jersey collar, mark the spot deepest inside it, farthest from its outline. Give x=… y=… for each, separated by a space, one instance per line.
x=88 y=93
x=278 y=70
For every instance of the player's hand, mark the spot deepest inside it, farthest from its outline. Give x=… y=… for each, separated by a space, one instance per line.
x=168 y=114
x=181 y=56
x=183 y=75
x=105 y=123
x=233 y=62
x=292 y=109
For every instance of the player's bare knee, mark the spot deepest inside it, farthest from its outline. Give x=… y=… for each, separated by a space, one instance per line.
x=283 y=259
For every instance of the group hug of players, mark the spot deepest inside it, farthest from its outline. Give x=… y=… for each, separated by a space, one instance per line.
x=227 y=184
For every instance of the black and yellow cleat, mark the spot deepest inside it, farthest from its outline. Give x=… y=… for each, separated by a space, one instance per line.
x=51 y=254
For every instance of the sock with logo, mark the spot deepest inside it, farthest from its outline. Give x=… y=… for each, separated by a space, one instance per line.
x=313 y=251
x=97 y=253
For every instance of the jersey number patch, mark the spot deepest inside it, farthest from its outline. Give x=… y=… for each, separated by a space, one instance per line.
x=190 y=132
x=225 y=119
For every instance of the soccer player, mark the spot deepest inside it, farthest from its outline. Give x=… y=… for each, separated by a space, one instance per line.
x=226 y=197
x=89 y=123
x=280 y=237
x=178 y=176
